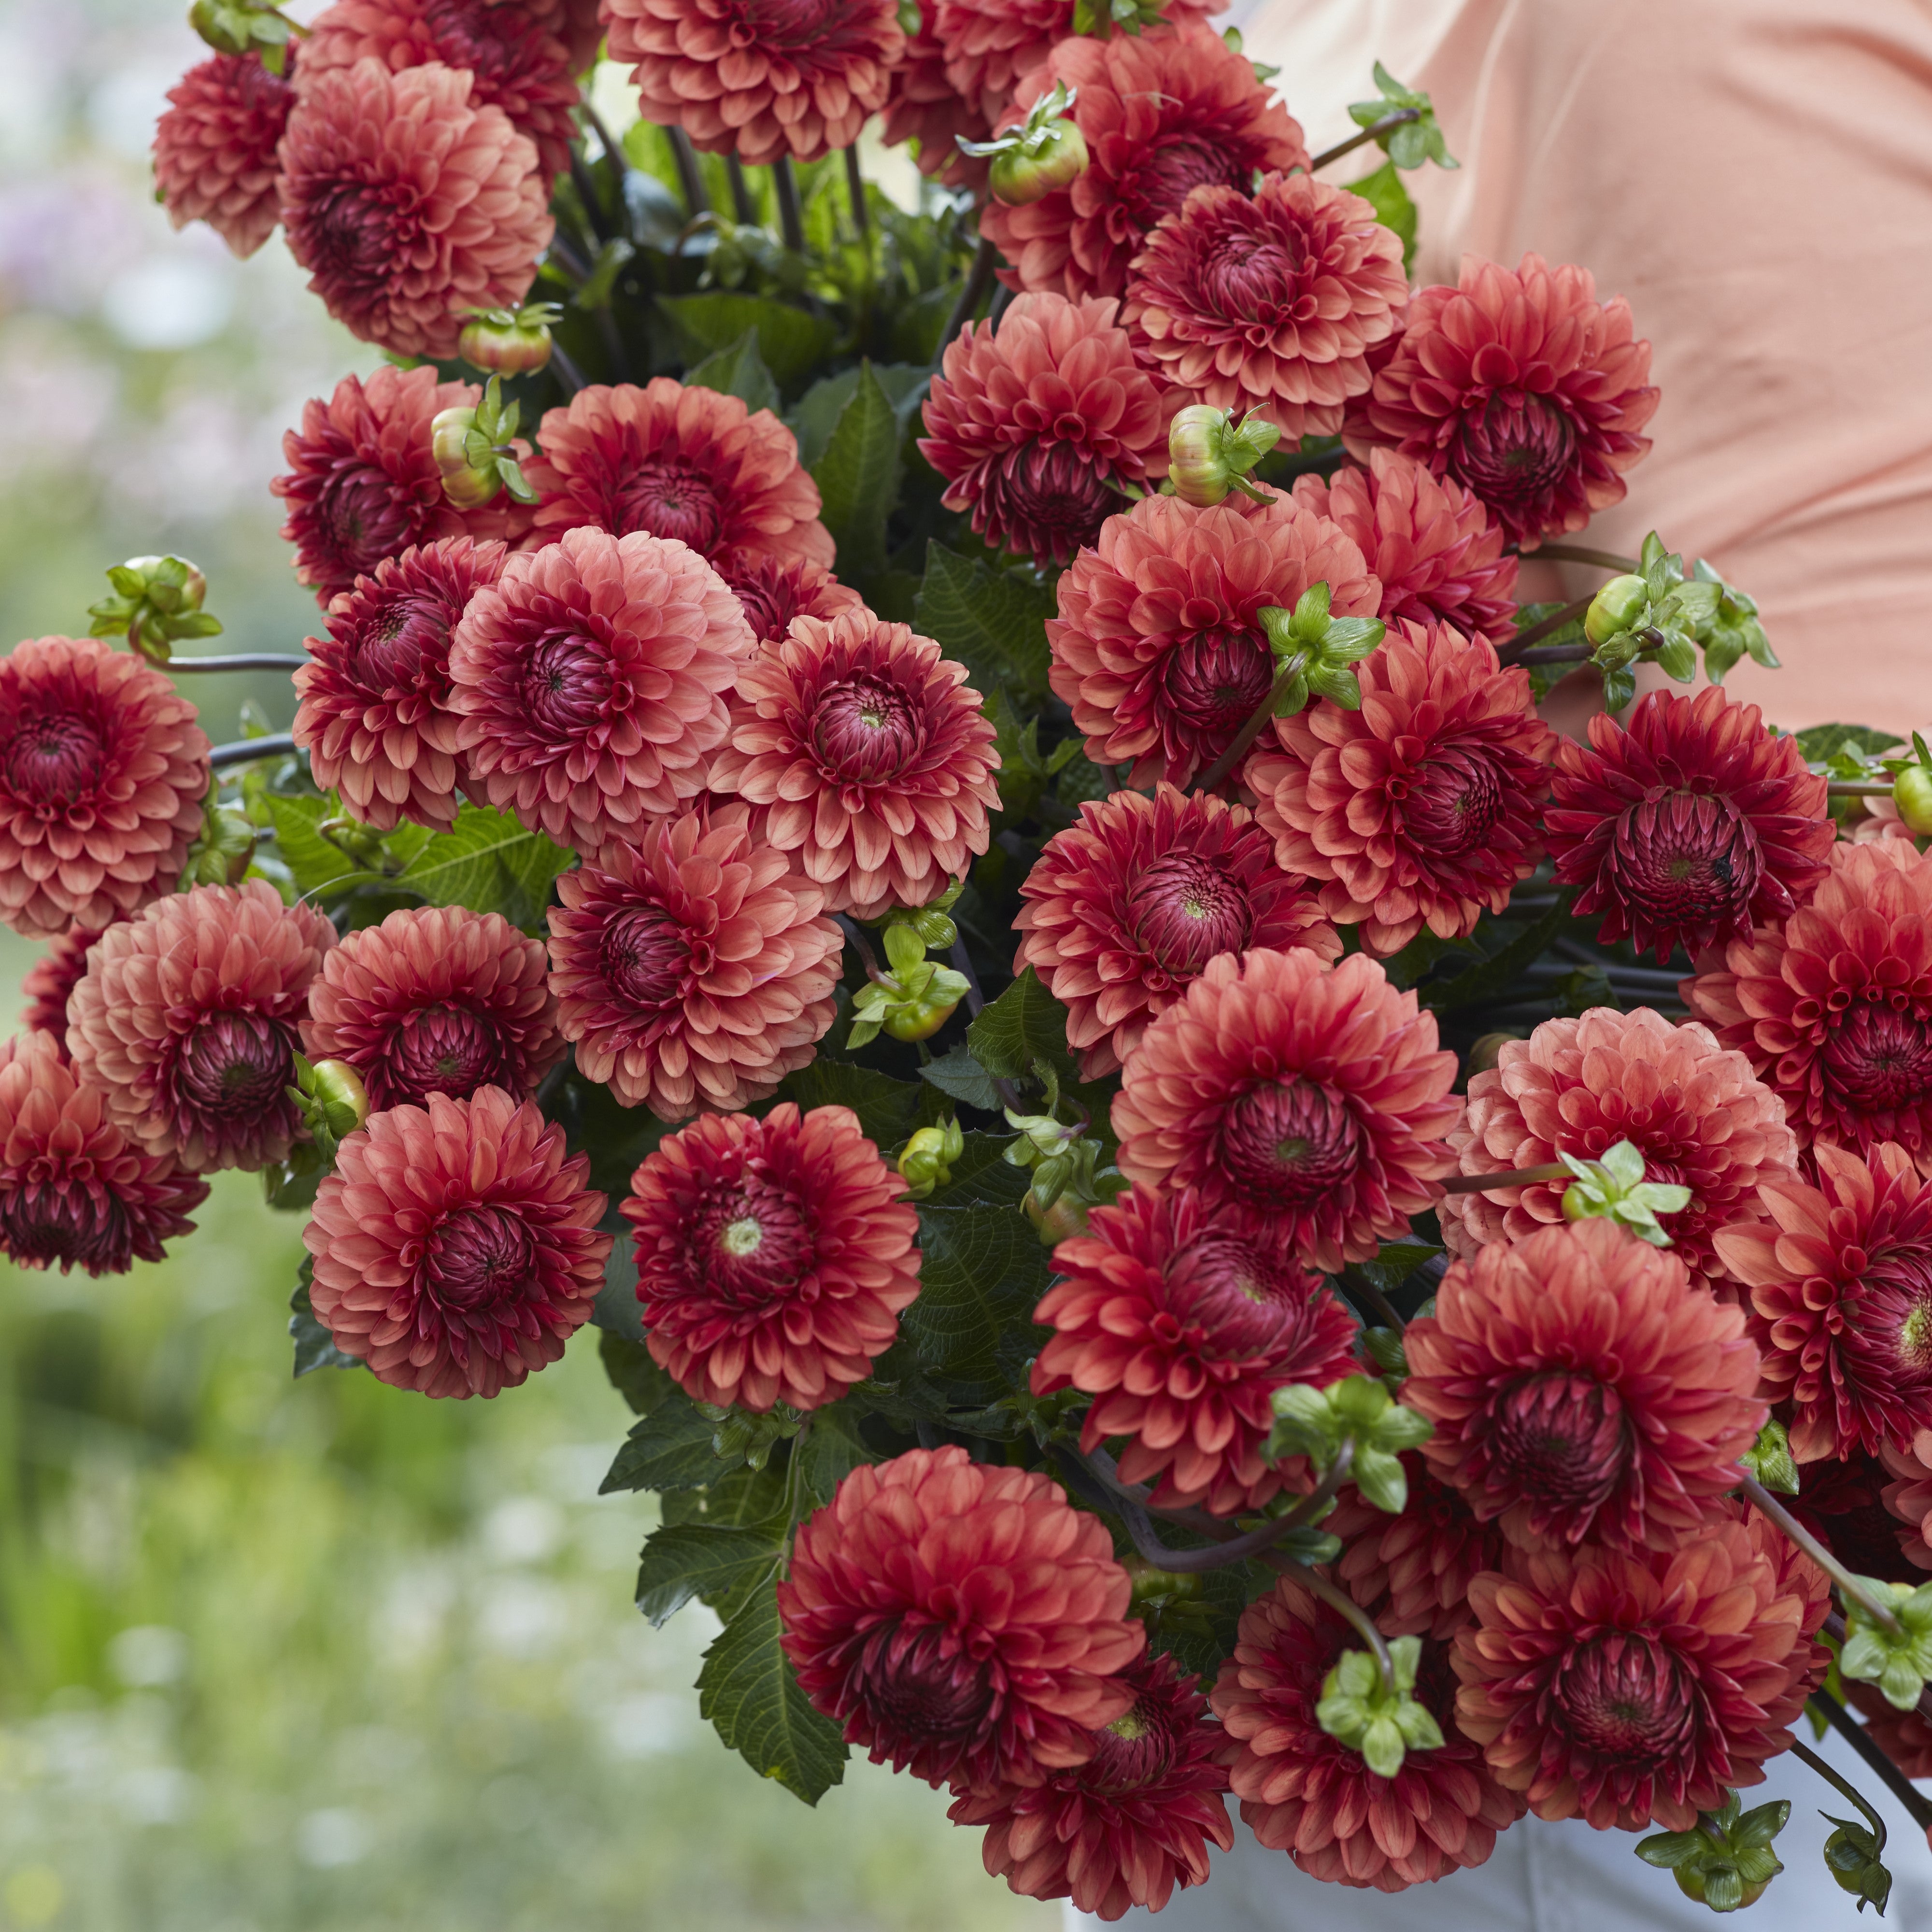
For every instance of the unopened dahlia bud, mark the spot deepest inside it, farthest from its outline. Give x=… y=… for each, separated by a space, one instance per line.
x=156 y=600
x=331 y=1099
x=913 y=1000
x=1380 y=1718
x=1060 y=1221
x=1911 y=793
x=467 y=483
x=1208 y=454
x=510 y=341
x=1046 y=152
x=927 y=1161
x=244 y=26
x=1616 y=608
x=222 y=854
x=1725 y=1861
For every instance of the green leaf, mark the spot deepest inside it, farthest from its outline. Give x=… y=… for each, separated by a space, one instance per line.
x=993 y=621
x=831 y=1449
x=887 y=1108
x=1821 y=742
x=633 y=1373
x=959 y=1075
x=858 y=477
x=747 y=1689
x=821 y=406
x=1495 y=975
x=669 y=1449
x=489 y=862
x=981 y=1273
x=315 y=1346
x=791 y=340
x=740 y=371
x=312 y=861
x=1026 y=1023
x=1383 y=192
x=982 y=1175
x=741 y=1500
x=683 y=1560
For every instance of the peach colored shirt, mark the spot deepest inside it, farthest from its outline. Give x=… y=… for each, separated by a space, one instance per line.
x=1756 y=176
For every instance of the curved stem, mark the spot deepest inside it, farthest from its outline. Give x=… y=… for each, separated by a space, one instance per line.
x=855 y=937
x=1309 y=1509
x=1388 y=125
x=1563 y=552
x=568 y=372
x=1357 y=1287
x=1516 y=1177
x=1851 y=1588
x=744 y=209
x=962 y=963
x=1246 y=736
x=855 y=183
x=1512 y=652
x=978 y=278
x=247 y=751
x=239 y=661
x=690 y=176
x=791 y=219
x=1857 y=788
x=1917 y=1808
x=1576 y=653
x=1342 y=1604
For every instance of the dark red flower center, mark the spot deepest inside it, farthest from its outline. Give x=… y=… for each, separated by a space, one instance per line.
x=782 y=23
x=1172 y=169
x=1451 y=801
x=439 y=1049
x=1877 y=1059
x=1513 y=448
x=1043 y=499
x=405 y=634
x=1134 y=1751
x=1685 y=861
x=920 y=1688
x=1236 y=1300
x=1624 y=1697
x=1561 y=1440
x=66 y=1222
x=671 y=497
x=1211 y=683
x=481 y=37
x=54 y=761
x=568 y=685
x=753 y=1244
x=233 y=1068
x=864 y=731
x=366 y=516
x=1184 y=910
x=646 y=955
x=1285 y=1146
x=359 y=235
x=772 y=595
x=477 y=1258
x=1245 y=277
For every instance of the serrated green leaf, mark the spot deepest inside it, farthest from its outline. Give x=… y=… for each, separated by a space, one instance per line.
x=1820 y=741
x=994 y=622
x=858 y=477
x=821 y=406
x=958 y=1074
x=489 y=862
x=668 y=1449
x=741 y=1500
x=981 y=1273
x=831 y=1449
x=313 y=861
x=632 y=1372
x=887 y=1108
x=791 y=340
x=740 y=371
x=1491 y=977
x=1383 y=190
x=1026 y=1023
x=315 y=1346
x=683 y=1560
x=983 y=1175
x=747 y=1689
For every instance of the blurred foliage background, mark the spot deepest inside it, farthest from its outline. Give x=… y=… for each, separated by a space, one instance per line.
x=308 y=1656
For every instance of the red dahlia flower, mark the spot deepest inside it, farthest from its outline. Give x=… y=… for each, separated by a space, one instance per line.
x=73 y=1188
x=963 y=1621
x=774 y=1257
x=1268 y=301
x=215 y=148
x=693 y=969
x=870 y=752
x=363 y=484
x=1423 y=809
x=513 y=61
x=102 y=772
x=1411 y=1572
x=1437 y=551
x=922 y=105
x=1159 y=647
x=1124 y=908
x=774 y=590
x=1844 y=1505
x=764 y=79
x=1632 y=1689
x=1162 y=114
x=1582 y=1385
x=677 y=462
x=1182 y=1334
x=1036 y=424
x=436 y=999
x=577 y=23
x=1841 y=1281
x=186 y=1018
x=409 y=205
x=1124 y=1828
x=1304 y=1793
x=1692 y=1110
x=1523 y=387
x=374 y=714
x=589 y=680
x=456 y=1249
x=1904 y=1736
x=1834 y=1010
x=1689 y=824
x=50 y=982
x=1908 y=1498
x=1306 y=1103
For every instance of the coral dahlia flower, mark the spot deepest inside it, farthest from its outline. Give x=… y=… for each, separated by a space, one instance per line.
x=693 y=970
x=1633 y=1689
x=73 y=1188
x=455 y=1248
x=1582 y=1385
x=589 y=681
x=1834 y=1008
x=409 y=204
x=872 y=753
x=363 y=484
x=1692 y=1108
x=962 y=1621
x=1124 y=908
x=1161 y=115
x=774 y=1257
x=50 y=982
x=1126 y=1827
x=1307 y=1103
x=1845 y=1505
x=1305 y=1793
x=1181 y=1333
x=1411 y=1572
x=186 y=1020
x=513 y=60
x=677 y=462
x=764 y=78
x=1036 y=422
x=1904 y=1736
x=1523 y=387
x=1269 y=301
x=1436 y=549
x=774 y=590
x=1423 y=809
x=436 y=999
x=1689 y=824
x=102 y=772
x=215 y=148
x=1159 y=647
x=1840 y=1279
x=1908 y=1497
x=577 y=23
x=374 y=712
x=922 y=106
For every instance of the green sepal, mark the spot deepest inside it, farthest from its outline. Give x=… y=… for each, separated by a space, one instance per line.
x=1414 y=141
x=1382 y=1721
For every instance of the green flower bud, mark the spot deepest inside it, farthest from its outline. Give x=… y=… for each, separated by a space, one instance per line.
x=1058 y=1221
x=1617 y=607
x=1383 y=1721
x=509 y=341
x=1486 y=1052
x=339 y=1087
x=1045 y=152
x=1769 y=1459
x=1897 y=1661
x=1911 y=793
x=1725 y=1861
x=1208 y=455
x=1614 y=1189
x=222 y=854
x=467 y=483
x=927 y=1160
x=157 y=600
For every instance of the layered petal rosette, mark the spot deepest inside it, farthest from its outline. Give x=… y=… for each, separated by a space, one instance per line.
x=102 y=772
x=1159 y=646
x=1182 y=1334
x=215 y=148
x=50 y=982
x=409 y=204
x=1423 y=807
x=774 y=590
x=1411 y=1572
x=774 y=1257
x=1523 y=387
x=1038 y=420
x=960 y=1621
x=922 y=106
x=869 y=754
x=589 y=681
x=1305 y=1103
x=579 y=24
x=455 y=1248
x=693 y=970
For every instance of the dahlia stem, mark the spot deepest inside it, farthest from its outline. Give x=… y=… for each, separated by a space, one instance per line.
x=1388 y=125
x=1917 y=1808
x=858 y=940
x=1849 y=1587
x=594 y=210
x=613 y=148
x=1516 y=1177
x=568 y=372
x=1857 y=788
x=1357 y=1287
x=690 y=177
x=566 y=258
x=1342 y=1604
x=962 y=964
x=1555 y=654
x=1562 y=553
x=1512 y=652
x=240 y=661
x=978 y=279
x=791 y=221
x=1245 y=737
x=247 y=751
x=743 y=205
x=856 y=182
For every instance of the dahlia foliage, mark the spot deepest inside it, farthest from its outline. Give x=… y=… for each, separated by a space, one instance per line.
x=938 y=822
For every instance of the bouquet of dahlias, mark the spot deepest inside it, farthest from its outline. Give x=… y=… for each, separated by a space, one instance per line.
x=938 y=821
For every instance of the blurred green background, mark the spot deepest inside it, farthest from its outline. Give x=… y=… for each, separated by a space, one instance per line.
x=313 y=1656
